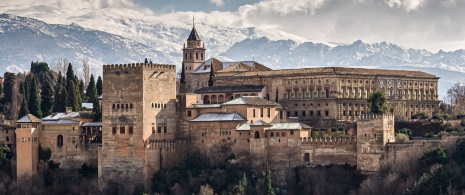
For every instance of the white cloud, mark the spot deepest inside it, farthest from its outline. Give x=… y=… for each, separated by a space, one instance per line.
x=217 y=2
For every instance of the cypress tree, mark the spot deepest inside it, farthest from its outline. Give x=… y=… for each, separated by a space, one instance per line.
x=91 y=91
x=1 y=89
x=69 y=73
x=183 y=74
x=268 y=188
x=23 y=110
x=63 y=100
x=34 y=99
x=81 y=91
x=99 y=86
x=72 y=99
x=47 y=98
x=8 y=87
x=146 y=61
x=58 y=104
x=212 y=75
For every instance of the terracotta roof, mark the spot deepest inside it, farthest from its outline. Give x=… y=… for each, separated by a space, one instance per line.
x=230 y=88
x=5 y=126
x=239 y=67
x=338 y=71
x=204 y=106
x=251 y=100
x=28 y=118
x=193 y=36
x=220 y=116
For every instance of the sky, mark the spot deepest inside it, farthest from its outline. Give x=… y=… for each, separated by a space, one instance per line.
x=419 y=24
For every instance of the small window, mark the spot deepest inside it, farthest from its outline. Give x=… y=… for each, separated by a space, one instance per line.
x=269 y=112
x=272 y=134
x=117 y=106
x=291 y=132
x=159 y=129
x=283 y=134
x=130 y=105
x=319 y=113
x=131 y=130
x=153 y=129
x=326 y=113
x=164 y=129
x=113 y=130
x=59 y=140
x=122 y=130
x=253 y=112
x=261 y=112
x=114 y=106
x=189 y=113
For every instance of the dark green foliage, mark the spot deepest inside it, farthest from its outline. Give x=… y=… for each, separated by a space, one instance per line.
x=44 y=154
x=72 y=99
x=24 y=108
x=445 y=117
x=63 y=100
x=405 y=131
x=268 y=188
x=419 y=115
x=47 y=100
x=9 y=83
x=146 y=61
x=1 y=89
x=434 y=182
x=34 y=99
x=38 y=67
x=377 y=103
x=436 y=155
x=81 y=91
x=88 y=171
x=183 y=74
x=212 y=75
x=460 y=152
x=91 y=91
x=3 y=150
x=52 y=165
x=99 y=86
x=70 y=72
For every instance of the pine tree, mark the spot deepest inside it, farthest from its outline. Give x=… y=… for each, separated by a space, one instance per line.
x=34 y=99
x=47 y=100
x=268 y=188
x=8 y=87
x=212 y=75
x=23 y=110
x=99 y=86
x=183 y=74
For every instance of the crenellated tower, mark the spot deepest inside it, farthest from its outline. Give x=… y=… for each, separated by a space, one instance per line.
x=194 y=52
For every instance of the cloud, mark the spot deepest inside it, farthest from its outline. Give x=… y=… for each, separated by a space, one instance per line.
x=217 y=2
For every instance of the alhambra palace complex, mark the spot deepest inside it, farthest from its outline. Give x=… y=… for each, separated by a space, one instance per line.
x=289 y=117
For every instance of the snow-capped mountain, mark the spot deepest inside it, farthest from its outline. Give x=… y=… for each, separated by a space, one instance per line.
x=128 y=40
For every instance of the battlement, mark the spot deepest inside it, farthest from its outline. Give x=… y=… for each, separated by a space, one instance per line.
x=366 y=117
x=136 y=66
x=329 y=140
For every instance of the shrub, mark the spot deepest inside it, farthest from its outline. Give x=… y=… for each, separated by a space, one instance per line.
x=401 y=138
x=436 y=155
x=405 y=131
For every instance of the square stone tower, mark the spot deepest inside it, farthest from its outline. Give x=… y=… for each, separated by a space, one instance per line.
x=139 y=104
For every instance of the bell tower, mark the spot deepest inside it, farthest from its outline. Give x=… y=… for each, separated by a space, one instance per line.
x=194 y=52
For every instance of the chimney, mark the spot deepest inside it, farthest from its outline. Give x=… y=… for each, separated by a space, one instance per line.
x=69 y=110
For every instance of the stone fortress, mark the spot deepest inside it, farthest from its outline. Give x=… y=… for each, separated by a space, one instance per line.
x=287 y=117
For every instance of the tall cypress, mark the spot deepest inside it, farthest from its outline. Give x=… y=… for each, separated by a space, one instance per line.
x=58 y=104
x=183 y=74
x=91 y=91
x=81 y=91
x=9 y=83
x=72 y=99
x=70 y=72
x=23 y=110
x=99 y=86
x=212 y=75
x=268 y=188
x=34 y=99
x=47 y=98
x=63 y=100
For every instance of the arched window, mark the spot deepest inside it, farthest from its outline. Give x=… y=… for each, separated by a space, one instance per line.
x=59 y=140
x=257 y=135
x=153 y=105
x=130 y=105
x=190 y=56
x=196 y=56
x=201 y=56
x=283 y=134
x=272 y=134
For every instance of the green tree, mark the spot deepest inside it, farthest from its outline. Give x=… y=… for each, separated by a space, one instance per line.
x=91 y=91
x=34 y=99
x=3 y=150
x=9 y=83
x=436 y=155
x=81 y=91
x=212 y=75
x=401 y=138
x=44 y=154
x=63 y=100
x=405 y=131
x=23 y=110
x=47 y=100
x=377 y=103
x=183 y=74
x=72 y=99
x=70 y=72
x=59 y=98
x=99 y=86
x=268 y=188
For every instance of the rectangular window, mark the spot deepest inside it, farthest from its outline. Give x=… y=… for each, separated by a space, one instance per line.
x=342 y=91
x=113 y=130
x=281 y=114
x=319 y=113
x=327 y=93
x=268 y=96
x=261 y=112
x=326 y=113
x=311 y=94
x=304 y=94
x=288 y=113
x=355 y=93
x=122 y=130
x=189 y=113
x=164 y=129
x=291 y=132
x=253 y=112
x=307 y=157
x=360 y=95
x=296 y=114
x=269 y=112
x=159 y=129
x=311 y=112
x=343 y=113
x=296 y=95
x=303 y=113
x=288 y=95
x=366 y=93
x=131 y=130
x=319 y=93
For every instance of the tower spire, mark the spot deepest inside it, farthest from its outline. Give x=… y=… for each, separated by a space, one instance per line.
x=193 y=21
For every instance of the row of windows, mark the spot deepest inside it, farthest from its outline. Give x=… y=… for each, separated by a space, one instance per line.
x=283 y=134
x=261 y=112
x=158 y=105
x=122 y=130
x=23 y=139
x=225 y=133
x=305 y=82
x=304 y=113
x=196 y=56
x=122 y=106
x=311 y=104
x=165 y=129
x=7 y=138
x=318 y=94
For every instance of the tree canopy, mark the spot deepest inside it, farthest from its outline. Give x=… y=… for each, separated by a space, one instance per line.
x=377 y=103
